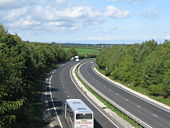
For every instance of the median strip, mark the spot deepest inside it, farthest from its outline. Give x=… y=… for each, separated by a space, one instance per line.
x=107 y=105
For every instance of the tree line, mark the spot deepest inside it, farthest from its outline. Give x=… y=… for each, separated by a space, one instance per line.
x=145 y=64
x=22 y=65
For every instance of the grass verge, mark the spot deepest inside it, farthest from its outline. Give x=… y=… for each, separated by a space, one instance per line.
x=83 y=51
x=108 y=105
x=144 y=91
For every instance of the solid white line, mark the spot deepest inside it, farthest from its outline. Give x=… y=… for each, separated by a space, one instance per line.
x=91 y=102
x=53 y=100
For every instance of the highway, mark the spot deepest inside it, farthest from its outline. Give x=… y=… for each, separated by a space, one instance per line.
x=62 y=88
x=148 y=113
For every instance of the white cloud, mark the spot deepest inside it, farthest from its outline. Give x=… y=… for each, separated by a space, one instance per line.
x=124 y=0
x=50 y=15
x=130 y=1
x=56 y=23
x=25 y=23
x=16 y=14
x=151 y=12
x=10 y=4
x=115 y=12
x=62 y=1
x=167 y=37
x=79 y=13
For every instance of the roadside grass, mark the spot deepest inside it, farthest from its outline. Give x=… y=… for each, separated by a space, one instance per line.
x=144 y=91
x=147 y=93
x=110 y=106
x=83 y=51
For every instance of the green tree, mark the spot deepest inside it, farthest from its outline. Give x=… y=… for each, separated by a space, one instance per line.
x=145 y=64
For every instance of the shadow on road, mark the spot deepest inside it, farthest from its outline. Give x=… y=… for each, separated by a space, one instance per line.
x=52 y=89
x=96 y=124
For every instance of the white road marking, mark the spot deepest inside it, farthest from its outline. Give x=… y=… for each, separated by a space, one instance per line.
x=53 y=100
x=154 y=115
x=138 y=106
x=117 y=94
x=126 y=100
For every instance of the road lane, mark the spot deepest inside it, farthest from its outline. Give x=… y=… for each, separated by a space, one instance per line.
x=154 y=116
x=62 y=88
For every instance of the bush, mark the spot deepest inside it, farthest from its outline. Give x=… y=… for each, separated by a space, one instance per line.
x=157 y=90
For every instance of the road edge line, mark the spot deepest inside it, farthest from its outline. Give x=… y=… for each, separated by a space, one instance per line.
x=51 y=96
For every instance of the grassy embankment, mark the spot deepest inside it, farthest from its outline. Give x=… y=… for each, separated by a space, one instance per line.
x=142 y=90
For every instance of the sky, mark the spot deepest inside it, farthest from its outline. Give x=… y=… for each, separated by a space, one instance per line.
x=87 y=21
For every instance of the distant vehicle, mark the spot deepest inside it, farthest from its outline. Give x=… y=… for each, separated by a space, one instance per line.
x=77 y=60
x=78 y=114
x=76 y=57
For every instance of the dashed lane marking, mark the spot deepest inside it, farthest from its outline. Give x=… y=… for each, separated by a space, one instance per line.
x=126 y=100
x=138 y=106
x=154 y=115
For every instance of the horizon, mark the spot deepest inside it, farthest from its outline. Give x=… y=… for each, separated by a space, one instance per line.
x=110 y=41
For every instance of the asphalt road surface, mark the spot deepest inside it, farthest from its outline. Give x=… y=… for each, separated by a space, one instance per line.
x=63 y=88
x=148 y=113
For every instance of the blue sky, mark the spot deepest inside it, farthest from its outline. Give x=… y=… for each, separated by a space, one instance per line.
x=87 y=21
